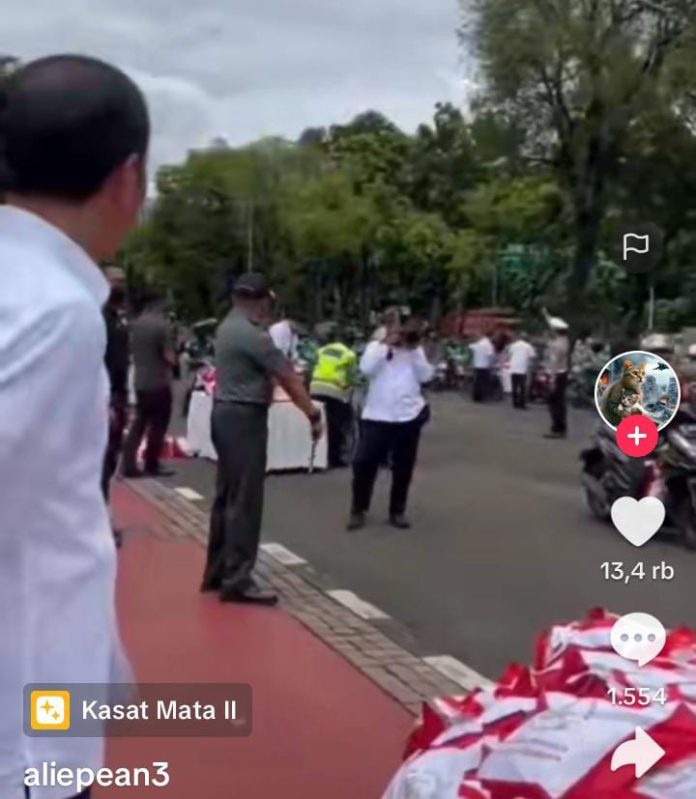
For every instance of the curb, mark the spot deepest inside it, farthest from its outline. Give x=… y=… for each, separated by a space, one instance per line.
x=371 y=646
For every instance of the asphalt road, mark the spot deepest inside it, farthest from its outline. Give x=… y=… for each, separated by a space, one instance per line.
x=501 y=544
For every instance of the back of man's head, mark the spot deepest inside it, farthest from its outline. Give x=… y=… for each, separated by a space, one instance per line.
x=66 y=124
x=151 y=300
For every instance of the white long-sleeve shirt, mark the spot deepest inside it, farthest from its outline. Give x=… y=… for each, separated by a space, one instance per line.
x=522 y=354
x=57 y=556
x=394 y=393
x=284 y=338
x=484 y=353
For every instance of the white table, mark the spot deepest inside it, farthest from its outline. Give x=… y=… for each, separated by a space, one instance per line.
x=289 y=443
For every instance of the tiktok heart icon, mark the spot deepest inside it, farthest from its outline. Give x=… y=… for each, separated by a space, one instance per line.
x=638 y=521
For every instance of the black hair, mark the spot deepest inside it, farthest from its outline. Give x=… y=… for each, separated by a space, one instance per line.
x=66 y=122
x=150 y=297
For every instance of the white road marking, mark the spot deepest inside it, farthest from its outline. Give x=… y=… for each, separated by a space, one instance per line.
x=457 y=671
x=283 y=555
x=189 y=493
x=353 y=602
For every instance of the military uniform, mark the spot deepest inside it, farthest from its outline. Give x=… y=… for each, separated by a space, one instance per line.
x=151 y=340
x=246 y=362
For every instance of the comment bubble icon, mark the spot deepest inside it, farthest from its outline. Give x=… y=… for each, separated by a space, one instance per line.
x=638 y=636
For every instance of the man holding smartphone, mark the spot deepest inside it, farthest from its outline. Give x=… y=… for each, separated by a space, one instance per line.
x=392 y=419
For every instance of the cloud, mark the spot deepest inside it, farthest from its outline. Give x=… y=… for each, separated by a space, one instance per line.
x=257 y=67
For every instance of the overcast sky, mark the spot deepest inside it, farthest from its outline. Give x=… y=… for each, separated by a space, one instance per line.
x=249 y=68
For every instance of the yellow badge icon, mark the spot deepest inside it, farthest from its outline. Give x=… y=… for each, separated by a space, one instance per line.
x=50 y=710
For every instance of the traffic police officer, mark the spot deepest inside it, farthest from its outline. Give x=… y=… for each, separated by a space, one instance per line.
x=332 y=383
x=247 y=362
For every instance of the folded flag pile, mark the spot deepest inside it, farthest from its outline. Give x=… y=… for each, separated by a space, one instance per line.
x=549 y=731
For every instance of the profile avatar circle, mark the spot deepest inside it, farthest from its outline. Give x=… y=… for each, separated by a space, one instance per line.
x=637 y=384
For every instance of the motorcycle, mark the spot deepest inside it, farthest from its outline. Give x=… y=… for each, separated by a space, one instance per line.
x=669 y=474
x=581 y=387
x=539 y=386
x=440 y=380
x=199 y=364
x=450 y=374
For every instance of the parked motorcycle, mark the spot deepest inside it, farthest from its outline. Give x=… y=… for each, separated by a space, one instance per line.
x=669 y=473
x=539 y=386
x=581 y=386
x=450 y=373
x=440 y=380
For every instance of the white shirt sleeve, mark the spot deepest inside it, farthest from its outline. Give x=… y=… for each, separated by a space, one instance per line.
x=374 y=358
x=283 y=338
x=421 y=366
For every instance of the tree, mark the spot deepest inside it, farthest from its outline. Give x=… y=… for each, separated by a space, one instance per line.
x=443 y=166
x=8 y=64
x=521 y=224
x=331 y=227
x=577 y=76
x=372 y=149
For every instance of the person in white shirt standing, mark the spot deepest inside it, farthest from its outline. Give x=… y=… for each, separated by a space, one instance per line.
x=483 y=358
x=74 y=137
x=522 y=355
x=392 y=419
x=285 y=338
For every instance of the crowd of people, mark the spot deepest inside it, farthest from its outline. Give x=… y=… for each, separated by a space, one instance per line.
x=74 y=186
x=382 y=381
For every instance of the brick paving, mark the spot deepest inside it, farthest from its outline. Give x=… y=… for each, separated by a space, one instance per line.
x=399 y=672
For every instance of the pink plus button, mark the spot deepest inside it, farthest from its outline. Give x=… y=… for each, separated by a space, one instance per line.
x=637 y=436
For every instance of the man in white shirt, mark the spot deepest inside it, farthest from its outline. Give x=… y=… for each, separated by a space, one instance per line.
x=557 y=354
x=392 y=419
x=285 y=338
x=483 y=353
x=75 y=136
x=522 y=356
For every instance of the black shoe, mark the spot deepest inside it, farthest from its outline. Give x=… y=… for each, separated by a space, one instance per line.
x=132 y=474
x=160 y=471
x=252 y=595
x=209 y=586
x=399 y=521
x=355 y=522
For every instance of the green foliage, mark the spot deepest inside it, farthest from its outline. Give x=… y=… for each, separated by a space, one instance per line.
x=585 y=119
x=579 y=77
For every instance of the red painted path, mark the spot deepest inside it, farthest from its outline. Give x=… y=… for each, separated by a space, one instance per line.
x=321 y=730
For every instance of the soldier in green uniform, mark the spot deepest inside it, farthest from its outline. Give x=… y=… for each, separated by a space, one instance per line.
x=247 y=363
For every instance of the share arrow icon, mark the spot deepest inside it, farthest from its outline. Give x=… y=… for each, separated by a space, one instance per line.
x=642 y=752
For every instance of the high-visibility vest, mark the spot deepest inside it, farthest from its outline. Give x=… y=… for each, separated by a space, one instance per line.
x=333 y=374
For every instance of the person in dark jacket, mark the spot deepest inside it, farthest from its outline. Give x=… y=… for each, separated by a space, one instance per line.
x=154 y=358
x=116 y=360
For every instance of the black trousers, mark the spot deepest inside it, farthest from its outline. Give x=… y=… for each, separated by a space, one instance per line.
x=152 y=414
x=339 y=416
x=117 y=426
x=519 y=391
x=397 y=441
x=558 y=407
x=240 y=436
x=482 y=384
